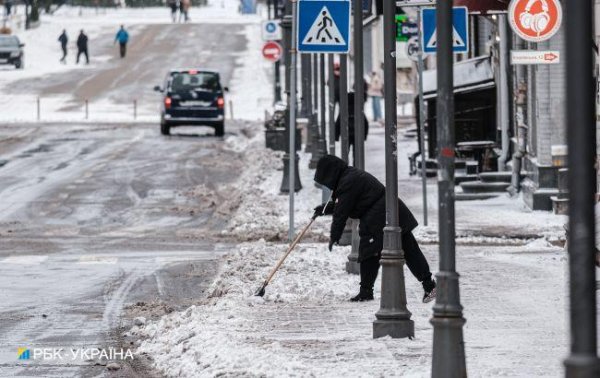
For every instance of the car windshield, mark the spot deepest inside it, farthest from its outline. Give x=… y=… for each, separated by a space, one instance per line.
x=193 y=81
x=9 y=42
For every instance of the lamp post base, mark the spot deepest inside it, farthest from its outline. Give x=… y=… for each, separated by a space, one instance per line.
x=395 y=328
x=582 y=365
x=448 y=347
x=285 y=182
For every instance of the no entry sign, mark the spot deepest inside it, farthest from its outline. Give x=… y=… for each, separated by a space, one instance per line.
x=535 y=20
x=272 y=51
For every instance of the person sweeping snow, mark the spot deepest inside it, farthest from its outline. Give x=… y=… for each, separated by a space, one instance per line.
x=359 y=195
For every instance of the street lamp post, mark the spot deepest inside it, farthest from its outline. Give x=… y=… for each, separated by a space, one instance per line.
x=331 y=89
x=307 y=106
x=358 y=161
x=277 y=84
x=581 y=135
x=290 y=119
x=393 y=318
x=351 y=266
x=316 y=152
x=448 y=345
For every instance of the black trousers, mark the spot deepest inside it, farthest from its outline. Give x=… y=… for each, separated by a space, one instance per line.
x=415 y=260
x=84 y=52
x=64 y=51
x=123 y=49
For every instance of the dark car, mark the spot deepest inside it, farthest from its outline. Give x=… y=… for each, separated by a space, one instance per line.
x=11 y=51
x=192 y=97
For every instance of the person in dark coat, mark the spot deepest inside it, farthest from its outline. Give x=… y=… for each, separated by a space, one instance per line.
x=82 y=47
x=63 y=39
x=359 y=195
x=338 y=130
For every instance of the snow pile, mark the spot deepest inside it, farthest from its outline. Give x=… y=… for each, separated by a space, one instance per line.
x=226 y=334
x=264 y=210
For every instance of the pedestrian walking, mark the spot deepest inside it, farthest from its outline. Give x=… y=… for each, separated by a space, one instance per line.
x=359 y=195
x=375 y=92
x=82 y=47
x=338 y=129
x=63 y=39
x=184 y=8
x=8 y=8
x=173 y=5
x=122 y=37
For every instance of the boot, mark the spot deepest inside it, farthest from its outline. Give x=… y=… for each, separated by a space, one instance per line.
x=430 y=290
x=363 y=295
x=368 y=274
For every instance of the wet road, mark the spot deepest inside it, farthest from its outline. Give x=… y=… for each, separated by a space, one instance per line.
x=101 y=223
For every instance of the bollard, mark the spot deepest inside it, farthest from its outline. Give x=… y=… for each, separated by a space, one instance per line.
x=230 y=109
x=87 y=113
x=134 y=109
x=38 y=109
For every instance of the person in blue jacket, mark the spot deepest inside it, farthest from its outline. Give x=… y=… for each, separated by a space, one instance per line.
x=122 y=37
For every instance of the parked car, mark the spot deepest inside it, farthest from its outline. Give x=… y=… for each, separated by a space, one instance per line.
x=11 y=51
x=192 y=97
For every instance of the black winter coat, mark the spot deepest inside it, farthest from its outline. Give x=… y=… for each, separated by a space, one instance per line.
x=359 y=195
x=82 y=42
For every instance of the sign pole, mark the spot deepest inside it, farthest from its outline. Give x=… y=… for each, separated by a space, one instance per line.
x=448 y=358
x=422 y=116
x=293 y=95
x=581 y=136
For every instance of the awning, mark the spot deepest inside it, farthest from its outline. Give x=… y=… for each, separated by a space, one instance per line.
x=484 y=6
x=469 y=75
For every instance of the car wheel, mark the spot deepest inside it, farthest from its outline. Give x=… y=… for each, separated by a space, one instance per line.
x=165 y=129
x=220 y=129
x=19 y=64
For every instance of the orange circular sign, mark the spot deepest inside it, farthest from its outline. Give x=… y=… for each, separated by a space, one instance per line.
x=535 y=20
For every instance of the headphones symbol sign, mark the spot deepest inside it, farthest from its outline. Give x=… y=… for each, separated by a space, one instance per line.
x=535 y=20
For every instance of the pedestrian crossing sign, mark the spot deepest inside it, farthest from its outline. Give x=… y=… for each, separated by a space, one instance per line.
x=323 y=26
x=460 y=30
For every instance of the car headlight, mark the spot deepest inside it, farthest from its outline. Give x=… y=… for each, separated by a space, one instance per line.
x=15 y=54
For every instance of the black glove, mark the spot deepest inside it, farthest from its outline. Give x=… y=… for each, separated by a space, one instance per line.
x=324 y=209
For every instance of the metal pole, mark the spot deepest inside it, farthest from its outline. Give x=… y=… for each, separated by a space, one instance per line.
x=323 y=108
x=422 y=116
x=351 y=266
x=581 y=135
x=134 y=109
x=307 y=106
x=358 y=159
x=39 y=114
x=331 y=89
x=393 y=318
x=448 y=345
x=316 y=152
x=290 y=127
x=344 y=105
x=87 y=113
x=359 y=88
x=277 y=81
x=292 y=150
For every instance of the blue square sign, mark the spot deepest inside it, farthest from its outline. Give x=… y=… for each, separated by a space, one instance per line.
x=323 y=26
x=460 y=32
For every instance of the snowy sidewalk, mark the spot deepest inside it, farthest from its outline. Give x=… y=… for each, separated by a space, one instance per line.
x=304 y=326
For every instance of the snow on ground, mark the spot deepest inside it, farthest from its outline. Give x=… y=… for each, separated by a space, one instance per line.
x=304 y=325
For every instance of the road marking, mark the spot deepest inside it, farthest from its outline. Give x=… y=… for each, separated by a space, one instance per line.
x=25 y=259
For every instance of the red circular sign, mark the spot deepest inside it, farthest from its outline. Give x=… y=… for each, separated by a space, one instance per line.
x=272 y=51
x=535 y=20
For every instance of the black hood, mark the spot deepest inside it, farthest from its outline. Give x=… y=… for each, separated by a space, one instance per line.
x=329 y=171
